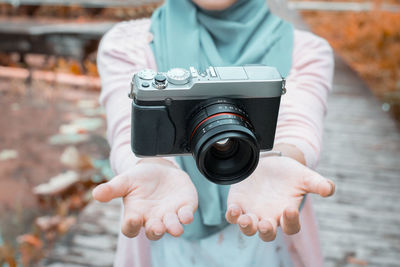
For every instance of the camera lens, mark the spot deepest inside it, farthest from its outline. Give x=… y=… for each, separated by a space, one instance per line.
x=223 y=142
x=223 y=145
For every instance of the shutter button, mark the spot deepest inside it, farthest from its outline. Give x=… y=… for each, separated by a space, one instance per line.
x=160 y=81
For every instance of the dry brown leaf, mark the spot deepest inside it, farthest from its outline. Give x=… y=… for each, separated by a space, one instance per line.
x=353 y=260
x=29 y=239
x=30 y=249
x=7 y=255
x=66 y=224
x=73 y=159
x=76 y=202
x=75 y=68
x=57 y=184
x=47 y=223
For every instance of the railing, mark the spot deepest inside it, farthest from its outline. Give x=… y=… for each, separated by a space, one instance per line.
x=82 y=3
x=22 y=33
x=340 y=6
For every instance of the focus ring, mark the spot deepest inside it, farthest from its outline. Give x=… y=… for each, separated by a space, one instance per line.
x=217 y=117
x=214 y=108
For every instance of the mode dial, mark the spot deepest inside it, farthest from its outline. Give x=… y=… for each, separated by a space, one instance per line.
x=178 y=76
x=147 y=74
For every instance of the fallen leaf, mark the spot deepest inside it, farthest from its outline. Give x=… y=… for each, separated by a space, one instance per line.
x=73 y=159
x=89 y=124
x=47 y=223
x=68 y=139
x=87 y=103
x=81 y=125
x=50 y=225
x=353 y=260
x=76 y=202
x=66 y=224
x=57 y=184
x=75 y=68
x=30 y=239
x=30 y=249
x=7 y=154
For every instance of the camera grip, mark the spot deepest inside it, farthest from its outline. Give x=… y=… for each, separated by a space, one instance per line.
x=152 y=131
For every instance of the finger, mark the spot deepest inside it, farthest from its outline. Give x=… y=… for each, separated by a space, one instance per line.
x=116 y=187
x=267 y=229
x=290 y=221
x=248 y=223
x=315 y=183
x=185 y=214
x=155 y=229
x=131 y=224
x=232 y=213
x=172 y=224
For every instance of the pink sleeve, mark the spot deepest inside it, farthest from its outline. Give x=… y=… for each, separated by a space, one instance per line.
x=123 y=51
x=303 y=107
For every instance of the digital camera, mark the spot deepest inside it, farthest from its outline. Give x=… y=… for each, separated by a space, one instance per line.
x=223 y=116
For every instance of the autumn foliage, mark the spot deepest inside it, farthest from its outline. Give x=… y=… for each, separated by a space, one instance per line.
x=369 y=42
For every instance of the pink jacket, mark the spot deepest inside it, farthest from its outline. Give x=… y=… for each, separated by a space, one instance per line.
x=125 y=50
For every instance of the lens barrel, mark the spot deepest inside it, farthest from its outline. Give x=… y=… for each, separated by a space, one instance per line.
x=223 y=142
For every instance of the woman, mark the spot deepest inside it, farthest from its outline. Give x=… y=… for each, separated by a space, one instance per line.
x=164 y=194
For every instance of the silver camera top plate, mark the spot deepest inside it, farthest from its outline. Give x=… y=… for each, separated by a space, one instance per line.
x=252 y=81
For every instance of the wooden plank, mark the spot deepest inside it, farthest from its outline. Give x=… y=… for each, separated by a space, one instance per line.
x=51 y=77
x=33 y=27
x=93 y=240
x=376 y=252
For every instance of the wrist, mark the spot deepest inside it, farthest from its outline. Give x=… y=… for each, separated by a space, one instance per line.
x=154 y=160
x=290 y=151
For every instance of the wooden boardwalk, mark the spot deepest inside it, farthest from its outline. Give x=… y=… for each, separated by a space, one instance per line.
x=359 y=225
x=92 y=241
x=361 y=222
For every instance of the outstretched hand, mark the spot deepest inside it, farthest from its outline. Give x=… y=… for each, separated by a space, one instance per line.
x=156 y=195
x=272 y=195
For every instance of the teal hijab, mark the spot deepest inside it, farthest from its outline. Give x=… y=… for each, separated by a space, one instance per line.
x=245 y=33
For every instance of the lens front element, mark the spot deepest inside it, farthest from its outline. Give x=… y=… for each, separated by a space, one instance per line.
x=224 y=145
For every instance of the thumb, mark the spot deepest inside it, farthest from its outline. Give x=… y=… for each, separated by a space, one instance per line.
x=118 y=186
x=317 y=184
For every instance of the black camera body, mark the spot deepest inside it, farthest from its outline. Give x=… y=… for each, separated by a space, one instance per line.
x=224 y=117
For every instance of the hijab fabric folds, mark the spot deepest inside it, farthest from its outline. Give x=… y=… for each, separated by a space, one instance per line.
x=245 y=33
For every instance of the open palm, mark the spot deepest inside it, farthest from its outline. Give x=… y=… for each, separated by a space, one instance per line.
x=156 y=195
x=271 y=196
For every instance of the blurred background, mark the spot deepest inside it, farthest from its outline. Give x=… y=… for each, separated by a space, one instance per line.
x=53 y=149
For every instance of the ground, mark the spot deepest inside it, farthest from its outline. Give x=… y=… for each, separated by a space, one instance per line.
x=38 y=122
